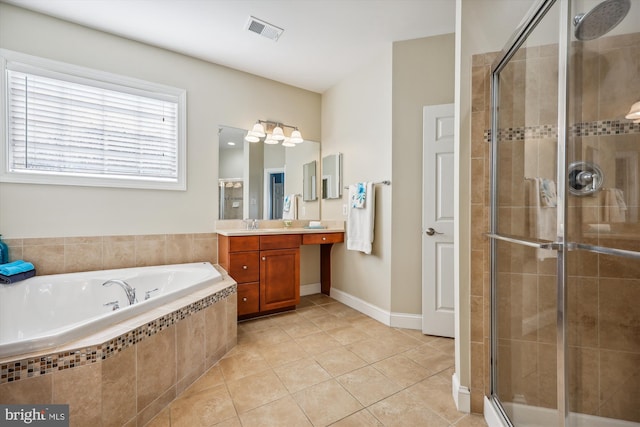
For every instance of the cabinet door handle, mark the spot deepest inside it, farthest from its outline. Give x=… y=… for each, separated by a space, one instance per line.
x=244 y=267
x=324 y=238
x=264 y=258
x=244 y=299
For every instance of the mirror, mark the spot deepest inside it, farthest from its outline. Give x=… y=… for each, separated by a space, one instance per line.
x=309 y=181
x=254 y=178
x=332 y=176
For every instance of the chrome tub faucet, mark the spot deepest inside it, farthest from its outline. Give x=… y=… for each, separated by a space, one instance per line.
x=131 y=292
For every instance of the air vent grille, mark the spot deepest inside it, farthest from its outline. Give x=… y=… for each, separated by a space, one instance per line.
x=264 y=29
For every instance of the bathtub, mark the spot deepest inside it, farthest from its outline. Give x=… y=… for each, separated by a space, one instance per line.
x=47 y=311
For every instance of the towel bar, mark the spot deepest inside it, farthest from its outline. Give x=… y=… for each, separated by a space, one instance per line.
x=385 y=182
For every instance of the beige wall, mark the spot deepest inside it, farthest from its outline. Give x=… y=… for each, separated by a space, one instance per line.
x=215 y=96
x=375 y=119
x=356 y=121
x=423 y=74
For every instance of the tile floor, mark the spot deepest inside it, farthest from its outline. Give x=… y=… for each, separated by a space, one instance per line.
x=324 y=364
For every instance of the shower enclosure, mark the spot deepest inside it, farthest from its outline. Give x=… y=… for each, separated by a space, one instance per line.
x=564 y=233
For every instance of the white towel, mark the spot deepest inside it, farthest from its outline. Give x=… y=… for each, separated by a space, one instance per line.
x=359 y=197
x=614 y=206
x=542 y=213
x=360 y=221
x=290 y=202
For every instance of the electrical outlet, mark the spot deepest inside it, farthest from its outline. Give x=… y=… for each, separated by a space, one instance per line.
x=344 y=210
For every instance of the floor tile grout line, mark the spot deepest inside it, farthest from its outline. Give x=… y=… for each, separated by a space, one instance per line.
x=253 y=329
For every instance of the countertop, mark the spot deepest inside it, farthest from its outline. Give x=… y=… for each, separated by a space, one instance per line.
x=268 y=227
x=279 y=230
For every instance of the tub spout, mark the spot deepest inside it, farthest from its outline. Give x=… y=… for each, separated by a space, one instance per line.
x=131 y=292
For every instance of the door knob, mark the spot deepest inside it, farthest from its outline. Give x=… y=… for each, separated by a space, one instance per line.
x=430 y=231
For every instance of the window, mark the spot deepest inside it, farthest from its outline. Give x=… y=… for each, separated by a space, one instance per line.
x=74 y=126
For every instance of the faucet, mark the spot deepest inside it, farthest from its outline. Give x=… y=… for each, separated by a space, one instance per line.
x=131 y=292
x=250 y=224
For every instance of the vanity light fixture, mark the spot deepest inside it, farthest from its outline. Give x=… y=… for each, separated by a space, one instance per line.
x=273 y=133
x=296 y=137
x=270 y=140
x=634 y=113
x=277 y=133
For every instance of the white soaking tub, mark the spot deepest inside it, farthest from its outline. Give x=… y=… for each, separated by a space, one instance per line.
x=47 y=311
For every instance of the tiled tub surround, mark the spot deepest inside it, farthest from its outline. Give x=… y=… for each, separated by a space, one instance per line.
x=55 y=255
x=604 y=352
x=127 y=373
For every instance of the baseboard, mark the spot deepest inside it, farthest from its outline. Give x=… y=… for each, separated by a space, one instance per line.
x=461 y=395
x=362 y=306
x=310 y=289
x=406 y=321
x=394 y=320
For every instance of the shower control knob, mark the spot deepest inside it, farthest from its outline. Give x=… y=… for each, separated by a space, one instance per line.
x=430 y=231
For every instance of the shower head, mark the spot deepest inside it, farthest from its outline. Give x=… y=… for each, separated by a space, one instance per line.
x=601 y=19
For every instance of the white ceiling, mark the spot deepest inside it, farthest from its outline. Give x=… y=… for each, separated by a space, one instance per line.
x=323 y=40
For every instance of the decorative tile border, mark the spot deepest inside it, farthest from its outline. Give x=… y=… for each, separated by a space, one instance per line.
x=604 y=127
x=597 y=128
x=32 y=367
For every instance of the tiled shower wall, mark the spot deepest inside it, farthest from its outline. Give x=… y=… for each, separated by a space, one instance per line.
x=73 y=254
x=603 y=335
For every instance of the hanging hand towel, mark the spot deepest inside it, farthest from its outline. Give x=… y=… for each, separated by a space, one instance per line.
x=359 y=197
x=548 y=196
x=360 y=221
x=542 y=213
x=290 y=209
x=613 y=205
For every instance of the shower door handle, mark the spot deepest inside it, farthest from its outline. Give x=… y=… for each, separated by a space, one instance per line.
x=430 y=231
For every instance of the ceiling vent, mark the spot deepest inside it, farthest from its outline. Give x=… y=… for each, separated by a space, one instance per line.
x=264 y=29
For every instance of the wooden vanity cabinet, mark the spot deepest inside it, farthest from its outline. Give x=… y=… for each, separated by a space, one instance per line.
x=240 y=256
x=266 y=268
x=279 y=271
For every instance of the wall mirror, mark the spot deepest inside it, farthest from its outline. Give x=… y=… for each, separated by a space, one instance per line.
x=254 y=178
x=309 y=182
x=332 y=176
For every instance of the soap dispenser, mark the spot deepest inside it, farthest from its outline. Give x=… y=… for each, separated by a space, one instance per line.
x=4 y=252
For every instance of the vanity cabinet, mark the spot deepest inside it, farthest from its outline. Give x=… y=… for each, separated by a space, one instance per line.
x=266 y=268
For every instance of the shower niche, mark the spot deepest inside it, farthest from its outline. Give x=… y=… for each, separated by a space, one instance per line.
x=564 y=233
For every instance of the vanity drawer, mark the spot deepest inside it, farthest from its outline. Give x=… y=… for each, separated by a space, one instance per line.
x=244 y=266
x=244 y=243
x=279 y=241
x=320 y=238
x=248 y=298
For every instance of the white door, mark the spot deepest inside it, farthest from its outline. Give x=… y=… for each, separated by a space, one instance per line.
x=437 y=220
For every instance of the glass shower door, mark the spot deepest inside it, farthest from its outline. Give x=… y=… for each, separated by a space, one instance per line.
x=565 y=217
x=528 y=214
x=603 y=269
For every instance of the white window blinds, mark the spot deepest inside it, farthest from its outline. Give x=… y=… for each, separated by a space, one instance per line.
x=72 y=126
